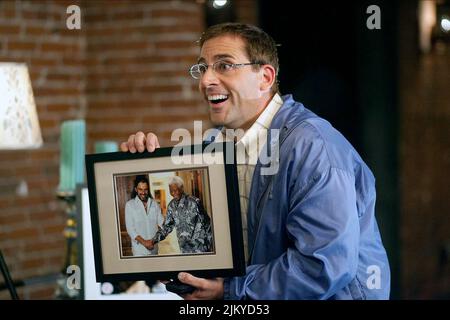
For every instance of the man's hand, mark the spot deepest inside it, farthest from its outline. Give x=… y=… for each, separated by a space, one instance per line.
x=149 y=244
x=140 y=142
x=206 y=289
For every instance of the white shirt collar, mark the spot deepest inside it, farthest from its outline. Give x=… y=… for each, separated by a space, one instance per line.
x=255 y=138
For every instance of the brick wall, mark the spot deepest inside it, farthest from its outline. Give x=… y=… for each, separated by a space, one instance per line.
x=31 y=226
x=125 y=70
x=139 y=53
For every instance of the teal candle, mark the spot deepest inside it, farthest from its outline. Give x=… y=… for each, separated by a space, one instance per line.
x=73 y=148
x=106 y=146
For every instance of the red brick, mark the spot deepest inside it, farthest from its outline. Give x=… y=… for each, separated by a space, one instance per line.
x=180 y=28
x=59 y=47
x=40 y=14
x=45 y=183
x=9 y=13
x=9 y=30
x=73 y=61
x=64 y=108
x=173 y=89
x=33 y=263
x=53 y=229
x=21 y=233
x=5 y=203
x=127 y=15
x=32 y=201
x=36 y=30
x=42 y=292
x=41 y=62
x=22 y=46
x=180 y=45
x=179 y=13
x=44 y=246
x=27 y=171
x=11 y=156
x=12 y=219
x=69 y=90
x=120 y=46
x=48 y=123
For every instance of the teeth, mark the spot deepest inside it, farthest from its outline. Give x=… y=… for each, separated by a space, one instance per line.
x=217 y=97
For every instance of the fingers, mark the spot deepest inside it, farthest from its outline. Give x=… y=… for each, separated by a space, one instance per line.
x=189 y=296
x=205 y=288
x=152 y=142
x=139 y=142
x=130 y=144
x=124 y=147
x=190 y=279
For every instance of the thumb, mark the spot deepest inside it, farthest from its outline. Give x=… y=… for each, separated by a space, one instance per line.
x=190 y=279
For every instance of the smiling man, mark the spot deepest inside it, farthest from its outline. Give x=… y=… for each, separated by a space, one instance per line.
x=310 y=227
x=186 y=214
x=234 y=100
x=143 y=217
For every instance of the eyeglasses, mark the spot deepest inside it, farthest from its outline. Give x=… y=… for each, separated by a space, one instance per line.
x=221 y=67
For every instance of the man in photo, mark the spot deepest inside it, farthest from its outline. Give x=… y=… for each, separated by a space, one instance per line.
x=143 y=217
x=187 y=214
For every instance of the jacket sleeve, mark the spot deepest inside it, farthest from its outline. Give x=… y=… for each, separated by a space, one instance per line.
x=166 y=228
x=201 y=235
x=322 y=255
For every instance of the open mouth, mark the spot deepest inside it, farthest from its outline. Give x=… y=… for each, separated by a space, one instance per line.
x=217 y=98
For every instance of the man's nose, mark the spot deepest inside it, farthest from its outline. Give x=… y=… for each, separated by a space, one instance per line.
x=209 y=78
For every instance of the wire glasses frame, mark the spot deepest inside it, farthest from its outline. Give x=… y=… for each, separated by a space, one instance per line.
x=221 y=67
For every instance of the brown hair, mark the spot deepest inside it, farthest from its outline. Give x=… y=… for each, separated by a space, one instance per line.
x=139 y=179
x=261 y=48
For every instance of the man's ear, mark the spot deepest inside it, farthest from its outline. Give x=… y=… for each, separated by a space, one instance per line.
x=268 y=77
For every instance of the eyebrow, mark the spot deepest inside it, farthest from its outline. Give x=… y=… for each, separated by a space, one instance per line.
x=216 y=57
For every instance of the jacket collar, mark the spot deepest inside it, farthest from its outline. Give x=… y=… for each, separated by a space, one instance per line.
x=287 y=117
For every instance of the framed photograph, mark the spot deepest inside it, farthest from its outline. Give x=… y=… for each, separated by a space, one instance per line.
x=90 y=289
x=156 y=214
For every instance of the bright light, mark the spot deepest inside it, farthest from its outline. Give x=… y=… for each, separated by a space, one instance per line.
x=219 y=3
x=445 y=24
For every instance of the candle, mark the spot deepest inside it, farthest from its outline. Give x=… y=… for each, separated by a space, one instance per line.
x=106 y=146
x=73 y=146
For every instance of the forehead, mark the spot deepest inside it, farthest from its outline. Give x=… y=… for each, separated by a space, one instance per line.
x=174 y=186
x=142 y=185
x=230 y=46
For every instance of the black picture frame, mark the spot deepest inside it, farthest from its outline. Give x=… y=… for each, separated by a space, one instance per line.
x=227 y=257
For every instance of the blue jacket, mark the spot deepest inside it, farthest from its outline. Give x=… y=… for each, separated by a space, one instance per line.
x=312 y=232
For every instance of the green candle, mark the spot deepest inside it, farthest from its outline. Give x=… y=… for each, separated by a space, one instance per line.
x=106 y=146
x=73 y=148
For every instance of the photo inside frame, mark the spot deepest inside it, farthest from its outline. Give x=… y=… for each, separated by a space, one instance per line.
x=178 y=203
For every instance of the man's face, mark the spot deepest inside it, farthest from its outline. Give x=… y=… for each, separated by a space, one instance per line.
x=142 y=191
x=175 y=191
x=241 y=87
